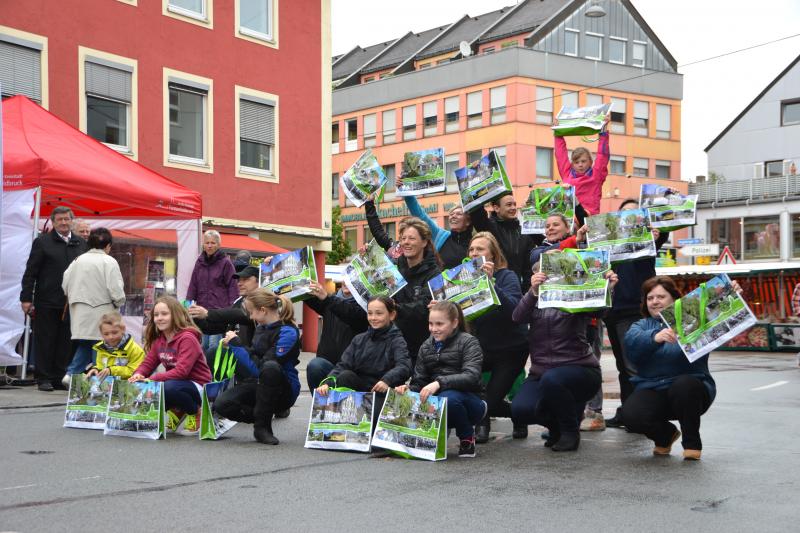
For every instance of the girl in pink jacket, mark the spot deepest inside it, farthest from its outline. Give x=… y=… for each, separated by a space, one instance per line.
x=578 y=171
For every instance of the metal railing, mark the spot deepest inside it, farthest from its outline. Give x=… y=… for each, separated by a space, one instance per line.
x=754 y=190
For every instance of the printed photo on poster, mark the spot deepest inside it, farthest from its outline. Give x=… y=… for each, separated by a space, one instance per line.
x=341 y=420
x=364 y=177
x=372 y=274
x=625 y=234
x=468 y=286
x=423 y=173
x=545 y=202
x=575 y=280
x=482 y=181
x=412 y=427
x=290 y=274
x=667 y=208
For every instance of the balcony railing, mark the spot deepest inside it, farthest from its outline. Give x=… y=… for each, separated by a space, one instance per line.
x=742 y=191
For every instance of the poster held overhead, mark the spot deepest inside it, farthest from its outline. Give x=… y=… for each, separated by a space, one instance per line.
x=372 y=274
x=545 y=202
x=423 y=173
x=667 y=208
x=581 y=121
x=290 y=274
x=363 y=178
x=482 y=181
x=625 y=234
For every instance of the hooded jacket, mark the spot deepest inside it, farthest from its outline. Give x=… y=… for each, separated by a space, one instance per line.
x=212 y=285
x=588 y=186
x=455 y=363
x=121 y=360
x=182 y=358
x=49 y=258
x=377 y=355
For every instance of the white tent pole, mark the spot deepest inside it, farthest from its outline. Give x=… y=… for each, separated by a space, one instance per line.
x=27 y=341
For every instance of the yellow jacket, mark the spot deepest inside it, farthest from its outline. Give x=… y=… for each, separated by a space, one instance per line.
x=121 y=361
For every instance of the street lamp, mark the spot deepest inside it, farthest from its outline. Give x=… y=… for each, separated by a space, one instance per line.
x=595 y=11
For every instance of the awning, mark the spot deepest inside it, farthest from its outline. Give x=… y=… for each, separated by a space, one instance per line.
x=739 y=268
x=232 y=242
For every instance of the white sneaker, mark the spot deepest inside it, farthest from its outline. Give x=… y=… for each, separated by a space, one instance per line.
x=65 y=380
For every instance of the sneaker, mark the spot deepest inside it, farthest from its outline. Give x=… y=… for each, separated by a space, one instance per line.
x=691 y=455
x=190 y=424
x=593 y=421
x=615 y=422
x=173 y=421
x=45 y=386
x=65 y=380
x=665 y=450
x=467 y=447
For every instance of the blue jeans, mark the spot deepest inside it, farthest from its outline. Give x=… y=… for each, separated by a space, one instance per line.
x=210 y=341
x=181 y=394
x=556 y=399
x=84 y=355
x=317 y=370
x=464 y=410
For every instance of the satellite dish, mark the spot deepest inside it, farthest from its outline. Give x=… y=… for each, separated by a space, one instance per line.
x=466 y=51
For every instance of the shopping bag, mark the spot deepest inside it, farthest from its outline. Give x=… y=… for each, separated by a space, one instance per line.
x=136 y=410
x=468 y=286
x=341 y=420
x=411 y=428
x=581 y=121
x=87 y=402
x=213 y=426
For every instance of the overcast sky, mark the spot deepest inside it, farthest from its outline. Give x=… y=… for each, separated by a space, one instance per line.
x=714 y=92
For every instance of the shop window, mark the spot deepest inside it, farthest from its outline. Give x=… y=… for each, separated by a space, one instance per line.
x=762 y=237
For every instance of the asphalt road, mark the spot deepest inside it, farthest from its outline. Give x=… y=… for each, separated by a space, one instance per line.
x=56 y=479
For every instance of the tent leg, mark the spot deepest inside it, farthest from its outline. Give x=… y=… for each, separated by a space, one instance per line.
x=27 y=333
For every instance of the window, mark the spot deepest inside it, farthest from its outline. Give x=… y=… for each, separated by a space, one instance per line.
x=369 y=79
x=255 y=18
x=569 y=99
x=429 y=119
x=367 y=234
x=351 y=134
x=663 y=121
x=391 y=229
x=389 y=126
x=384 y=75
x=256 y=136
x=544 y=105
x=662 y=169
x=773 y=168
x=498 y=104
x=369 y=130
x=488 y=50
x=641 y=118
x=21 y=68
x=108 y=90
x=509 y=44
x=571 y=42
x=594 y=46
x=501 y=154
x=618 y=114
x=424 y=65
x=451 y=106
x=351 y=236
x=391 y=179
x=617 y=165
x=335 y=185
x=762 y=237
x=188 y=109
x=335 y=137
x=409 y=123
x=727 y=232
x=616 y=50
x=474 y=110
x=639 y=52
x=593 y=99
x=450 y=166
x=544 y=164
x=473 y=156
x=790 y=113
x=640 y=167
x=443 y=61
x=195 y=9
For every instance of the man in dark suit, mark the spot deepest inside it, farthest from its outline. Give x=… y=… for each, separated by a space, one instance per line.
x=51 y=254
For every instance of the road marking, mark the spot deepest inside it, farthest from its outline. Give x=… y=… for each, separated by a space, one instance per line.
x=39 y=484
x=19 y=487
x=770 y=386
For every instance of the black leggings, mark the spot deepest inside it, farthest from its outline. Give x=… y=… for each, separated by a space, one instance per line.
x=649 y=411
x=256 y=402
x=505 y=367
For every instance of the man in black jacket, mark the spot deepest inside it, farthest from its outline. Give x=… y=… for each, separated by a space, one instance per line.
x=51 y=254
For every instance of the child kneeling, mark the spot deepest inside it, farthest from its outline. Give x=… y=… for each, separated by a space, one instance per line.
x=118 y=355
x=449 y=366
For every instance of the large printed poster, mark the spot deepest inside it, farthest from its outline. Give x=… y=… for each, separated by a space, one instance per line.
x=290 y=274
x=372 y=274
x=468 y=286
x=87 y=402
x=667 y=208
x=545 y=202
x=587 y=120
x=341 y=420
x=575 y=280
x=625 y=234
x=423 y=173
x=482 y=181
x=364 y=177
x=411 y=427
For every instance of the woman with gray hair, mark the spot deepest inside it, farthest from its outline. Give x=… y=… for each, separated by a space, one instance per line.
x=212 y=285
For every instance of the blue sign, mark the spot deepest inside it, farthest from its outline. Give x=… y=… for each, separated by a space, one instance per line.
x=683 y=242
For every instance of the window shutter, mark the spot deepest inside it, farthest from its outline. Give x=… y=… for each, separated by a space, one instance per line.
x=108 y=82
x=409 y=115
x=641 y=109
x=474 y=103
x=389 y=121
x=569 y=99
x=369 y=124
x=544 y=99
x=663 y=118
x=451 y=105
x=618 y=105
x=429 y=109
x=498 y=97
x=20 y=71
x=256 y=122
x=594 y=99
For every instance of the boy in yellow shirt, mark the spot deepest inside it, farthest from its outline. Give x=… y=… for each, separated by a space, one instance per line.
x=118 y=354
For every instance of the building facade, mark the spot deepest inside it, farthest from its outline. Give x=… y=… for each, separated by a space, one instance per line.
x=496 y=81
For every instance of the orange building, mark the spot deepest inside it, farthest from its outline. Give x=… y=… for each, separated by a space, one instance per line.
x=496 y=81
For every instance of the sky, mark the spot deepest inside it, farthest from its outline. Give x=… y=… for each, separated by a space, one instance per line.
x=714 y=91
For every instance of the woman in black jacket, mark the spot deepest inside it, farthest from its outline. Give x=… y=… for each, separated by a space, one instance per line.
x=449 y=365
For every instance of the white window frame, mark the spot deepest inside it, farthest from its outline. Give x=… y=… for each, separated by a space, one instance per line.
x=618 y=127
x=335 y=142
x=616 y=159
x=451 y=184
x=633 y=54
x=270 y=175
x=409 y=129
x=190 y=163
x=205 y=20
x=663 y=163
x=266 y=39
x=452 y=125
x=624 y=49
x=598 y=99
x=574 y=34
x=599 y=36
x=647 y=118
x=370 y=138
x=350 y=145
x=571 y=95
x=542 y=178
x=429 y=131
x=390 y=133
x=784 y=104
x=488 y=50
x=544 y=104
x=660 y=132
x=475 y=120
x=646 y=168
x=497 y=114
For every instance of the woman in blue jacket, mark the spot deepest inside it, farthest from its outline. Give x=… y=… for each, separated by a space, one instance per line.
x=667 y=386
x=451 y=244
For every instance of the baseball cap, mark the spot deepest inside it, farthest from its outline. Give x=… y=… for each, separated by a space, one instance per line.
x=247 y=272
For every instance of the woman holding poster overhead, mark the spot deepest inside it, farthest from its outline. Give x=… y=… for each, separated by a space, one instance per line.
x=667 y=386
x=451 y=244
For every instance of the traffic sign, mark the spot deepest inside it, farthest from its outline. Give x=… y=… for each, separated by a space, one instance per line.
x=684 y=242
x=726 y=257
x=697 y=250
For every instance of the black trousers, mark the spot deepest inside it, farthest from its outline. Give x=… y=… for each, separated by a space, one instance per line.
x=51 y=335
x=617 y=325
x=649 y=412
x=255 y=402
x=505 y=367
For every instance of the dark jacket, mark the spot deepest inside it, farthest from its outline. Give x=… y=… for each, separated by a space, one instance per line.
x=495 y=330
x=537 y=251
x=628 y=292
x=377 y=355
x=337 y=331
x=658 y=364
x=556 y=338
x=279 y=342
x=212 y=285
x=454 y=248
x=455 y=363
x=220 y=321
x=515 y=246
x=50 y=256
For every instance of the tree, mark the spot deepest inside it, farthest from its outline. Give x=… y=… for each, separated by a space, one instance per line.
x=340 y=248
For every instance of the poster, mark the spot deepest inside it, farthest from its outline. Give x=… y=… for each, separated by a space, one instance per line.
x=708 y=317
x=668 y=209
x=580 y=121
x=468 y=286
x=482 y=181
x=625 y=234
x=413 y=428
x=787 y=336
x=290 y=274
x=87 y=402
x=213 y=426
x=372 y=274
x=545 y=202
x=363 y=178
x=341 y=420
x=422 y=173
x=136 y=410
x=575 y=280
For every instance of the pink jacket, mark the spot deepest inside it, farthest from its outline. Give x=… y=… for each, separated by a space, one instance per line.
x=182 y=357
x=588 y=186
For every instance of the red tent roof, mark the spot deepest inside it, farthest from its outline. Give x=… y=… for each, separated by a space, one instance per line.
x=230 y=241
x=73 y=169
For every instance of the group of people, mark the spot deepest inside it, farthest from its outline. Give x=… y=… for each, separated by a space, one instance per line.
x=409 y=342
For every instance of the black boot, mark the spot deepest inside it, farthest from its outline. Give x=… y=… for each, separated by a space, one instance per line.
x=520 y=432
x=283 y=414
x=482 y=430
x=553 y=436
x=262 y=432
x=568 y=442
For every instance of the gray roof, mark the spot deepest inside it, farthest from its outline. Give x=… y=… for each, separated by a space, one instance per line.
x=403 y=49
x=525 y=18
x=356 y=58
x=464 y=30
